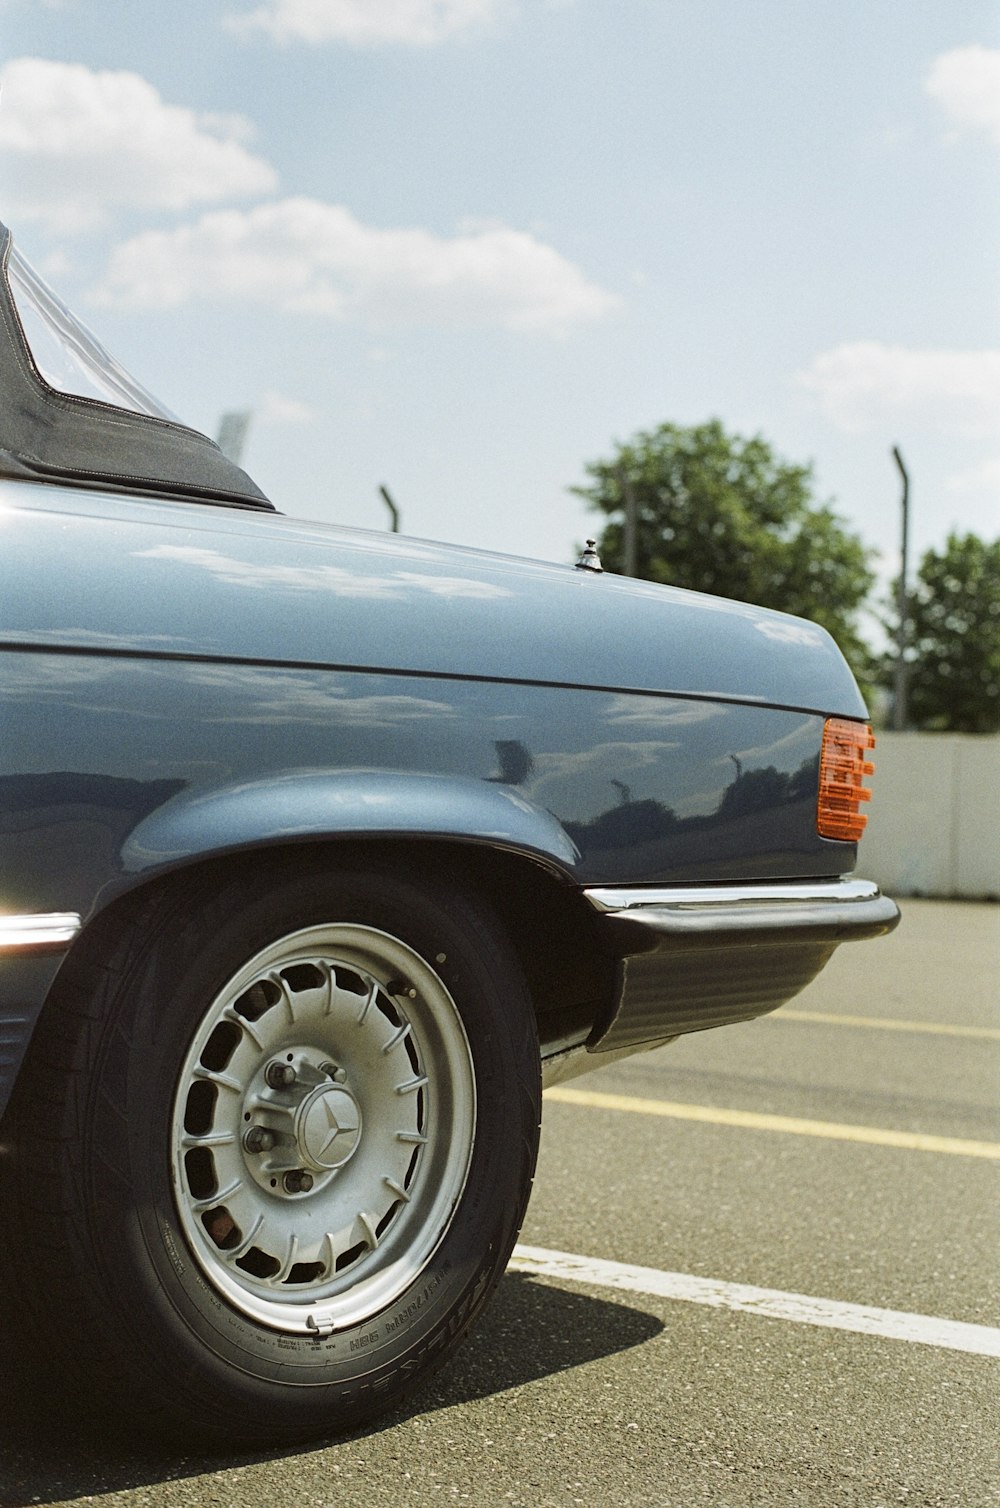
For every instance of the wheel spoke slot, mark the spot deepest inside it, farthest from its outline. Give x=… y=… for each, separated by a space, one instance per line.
x=200 y=1108
x=351 y=982
x=258 y=1264
x=304 y=1272
x=260 y=997
x=390 y=1013
x=221 y=1045
x=302 y=977
x=350 y=1256
x=199 y=1165
x=383 y=1224
x=222 y=1228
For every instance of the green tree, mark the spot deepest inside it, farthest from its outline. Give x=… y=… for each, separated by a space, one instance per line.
x=722 y=514
x=954 y=638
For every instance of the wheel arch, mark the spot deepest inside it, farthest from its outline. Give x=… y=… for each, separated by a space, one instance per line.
x=514 y=852
x=550 y=926
x=289 y=806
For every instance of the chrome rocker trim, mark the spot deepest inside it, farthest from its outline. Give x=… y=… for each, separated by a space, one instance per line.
x=698 y=956
x=37 y=932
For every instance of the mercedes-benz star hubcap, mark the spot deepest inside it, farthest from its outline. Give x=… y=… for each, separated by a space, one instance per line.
x=328 y=1128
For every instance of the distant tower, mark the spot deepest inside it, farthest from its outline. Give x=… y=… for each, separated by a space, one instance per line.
x=233 y=433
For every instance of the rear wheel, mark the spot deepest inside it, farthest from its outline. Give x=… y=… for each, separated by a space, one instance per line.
x=290 y=1131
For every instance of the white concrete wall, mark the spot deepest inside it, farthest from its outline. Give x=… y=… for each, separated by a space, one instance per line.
x=934 y=818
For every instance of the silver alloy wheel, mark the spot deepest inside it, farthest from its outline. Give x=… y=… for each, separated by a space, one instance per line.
x=322 y=1128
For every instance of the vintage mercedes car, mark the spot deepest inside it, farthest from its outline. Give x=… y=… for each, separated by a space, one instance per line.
x=320 y=850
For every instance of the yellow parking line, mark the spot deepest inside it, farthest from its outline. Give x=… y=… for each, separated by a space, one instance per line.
x=886 y=1023
x=753 y=1120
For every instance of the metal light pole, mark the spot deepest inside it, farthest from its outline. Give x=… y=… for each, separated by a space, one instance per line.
x=631 y=539
x=393 y=510
x=902 y=605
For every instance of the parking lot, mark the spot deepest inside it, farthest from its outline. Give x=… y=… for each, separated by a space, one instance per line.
x=842 y=1156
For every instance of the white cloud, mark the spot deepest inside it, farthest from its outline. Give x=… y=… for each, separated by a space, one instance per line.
x=76 y=144
x=966 y=84
x=365 y=23
x=304 y=256
x=864 y=385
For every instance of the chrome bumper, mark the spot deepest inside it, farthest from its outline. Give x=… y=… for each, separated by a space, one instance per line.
x=700 y=956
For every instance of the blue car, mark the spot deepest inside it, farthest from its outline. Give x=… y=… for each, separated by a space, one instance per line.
x=320 y=852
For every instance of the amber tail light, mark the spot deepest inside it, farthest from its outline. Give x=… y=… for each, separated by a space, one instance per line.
x=842 y=769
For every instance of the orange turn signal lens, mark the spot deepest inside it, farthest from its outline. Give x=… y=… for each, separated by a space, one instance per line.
x=842 y=769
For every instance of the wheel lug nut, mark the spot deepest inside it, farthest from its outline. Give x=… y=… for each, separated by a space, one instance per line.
x=259 y=1139
x=333 y=1072
x=280 y=1075
x=298 y=1181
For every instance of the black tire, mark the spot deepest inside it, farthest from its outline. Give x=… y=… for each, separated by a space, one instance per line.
x=159 y=1296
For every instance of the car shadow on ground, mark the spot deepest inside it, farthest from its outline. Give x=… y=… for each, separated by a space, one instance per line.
x=530 y=1331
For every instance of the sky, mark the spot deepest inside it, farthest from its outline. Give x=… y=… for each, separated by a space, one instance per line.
x=460 y=248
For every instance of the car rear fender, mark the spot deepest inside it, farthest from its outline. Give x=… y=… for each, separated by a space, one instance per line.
x=305 y=805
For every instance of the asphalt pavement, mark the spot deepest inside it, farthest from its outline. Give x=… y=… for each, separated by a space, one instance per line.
x=843 y=1155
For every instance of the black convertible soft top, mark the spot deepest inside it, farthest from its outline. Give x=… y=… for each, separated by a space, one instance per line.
x=48 y=435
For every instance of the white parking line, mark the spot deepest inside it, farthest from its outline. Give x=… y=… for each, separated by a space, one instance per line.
x=893 y=1324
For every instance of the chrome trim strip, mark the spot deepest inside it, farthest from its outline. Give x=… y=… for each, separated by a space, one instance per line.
x=50 y=930
x=705 y=898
